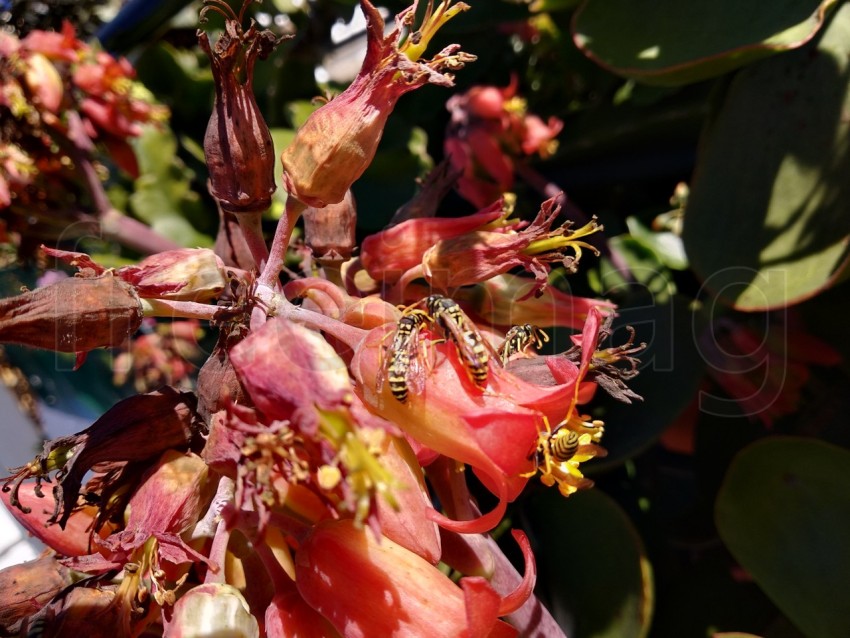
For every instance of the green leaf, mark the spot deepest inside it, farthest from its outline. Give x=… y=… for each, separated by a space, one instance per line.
x=644 y=265
x=784 y=511
x=667 y=246
x=668 y=42
x=767 y=223
x=603 y=593
x=163 y=196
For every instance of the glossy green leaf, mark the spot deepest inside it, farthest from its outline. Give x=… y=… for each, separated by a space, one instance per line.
x=593 y=563
x=767 y=221
x=784 y=511
x=670 y=43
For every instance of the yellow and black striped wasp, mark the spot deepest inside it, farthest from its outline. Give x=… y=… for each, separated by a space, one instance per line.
x=473 y=349
x=402 y=366
x=519 y=338
x=560 y=445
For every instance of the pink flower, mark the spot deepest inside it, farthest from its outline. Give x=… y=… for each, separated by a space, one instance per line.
x=490 y=130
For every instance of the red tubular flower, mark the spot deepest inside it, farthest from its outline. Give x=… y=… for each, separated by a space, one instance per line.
x=387 y=255
x=493 y=431
x=339 y=140
x=34 y=513
x=289 y=615
x=398 y=593
x=481 y=255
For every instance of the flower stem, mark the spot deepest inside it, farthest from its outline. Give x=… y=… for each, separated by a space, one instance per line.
x=280 y=243
x=182 y=309
x=218 y=553
x=252 y=230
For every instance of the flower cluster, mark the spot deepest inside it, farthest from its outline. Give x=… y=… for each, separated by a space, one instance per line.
x=314 y=482
x=490 y=131
x=58 y=98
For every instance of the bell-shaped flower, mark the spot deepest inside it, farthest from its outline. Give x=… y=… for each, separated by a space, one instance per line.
x=338 y=141
x=293 y=375
x=238 y=147
x=480 y=255
x=33 y=513
x=398 y=593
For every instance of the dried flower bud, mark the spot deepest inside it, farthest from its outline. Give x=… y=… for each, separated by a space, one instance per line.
x=78 y=613
x=330 y=231
x=238 y=146
x=72 y=315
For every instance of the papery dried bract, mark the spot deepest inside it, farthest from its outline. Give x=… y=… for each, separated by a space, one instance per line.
x=238 y=146
x=72 y=315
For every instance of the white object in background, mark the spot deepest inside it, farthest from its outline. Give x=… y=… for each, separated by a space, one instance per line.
x=20 y=444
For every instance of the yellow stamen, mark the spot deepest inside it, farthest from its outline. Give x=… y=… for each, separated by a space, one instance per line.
x=416 y=42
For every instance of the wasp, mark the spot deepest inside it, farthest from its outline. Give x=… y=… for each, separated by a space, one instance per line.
x=474 y=351
x=562 y=444
x=519 y=338
x=403 y=361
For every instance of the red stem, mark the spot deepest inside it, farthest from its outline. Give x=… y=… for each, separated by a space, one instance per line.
x=282 y=235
